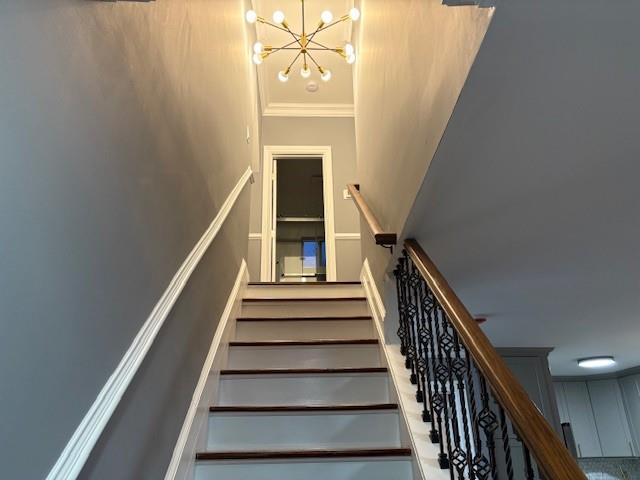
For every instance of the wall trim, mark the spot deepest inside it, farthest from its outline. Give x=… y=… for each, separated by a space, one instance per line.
x=275 y=109
x=347 y=236
x=183 y=458
x=371 y=291
x=271 y=152
x=77 y=450
x=255 y=236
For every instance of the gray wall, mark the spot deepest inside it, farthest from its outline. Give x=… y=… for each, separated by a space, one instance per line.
x=122 y=131
x=530 y=207
x=339 y=134
x=406 y=89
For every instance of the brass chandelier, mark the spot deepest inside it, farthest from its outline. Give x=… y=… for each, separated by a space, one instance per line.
x=303 y=44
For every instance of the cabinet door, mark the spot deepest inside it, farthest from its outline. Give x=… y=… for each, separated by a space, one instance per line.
x=631 y=394
x=561 y=401
x=582 y=420
x=611 y=419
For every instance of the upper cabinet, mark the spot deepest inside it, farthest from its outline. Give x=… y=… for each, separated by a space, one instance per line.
x=598 y=417
x=611 y=418
x=575 y=408
x=631 y=394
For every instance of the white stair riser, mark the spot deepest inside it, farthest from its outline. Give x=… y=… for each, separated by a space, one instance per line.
x=326 y=389
x=339 y=356
x=357 y=469
x=307 y=291
x=304 y=330
x=304 y=309
x=303 y=430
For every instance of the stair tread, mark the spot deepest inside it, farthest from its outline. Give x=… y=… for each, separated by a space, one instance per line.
x=304 y=319
x=314 y=453
x=300 y=284
x=303 y=408
x=304 y=299
x=303 y=343
x=271 y=371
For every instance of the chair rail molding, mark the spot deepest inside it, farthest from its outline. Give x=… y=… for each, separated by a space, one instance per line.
x=78 y=449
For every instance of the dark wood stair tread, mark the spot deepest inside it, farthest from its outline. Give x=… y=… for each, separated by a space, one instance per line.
x=300 y=284
x=305 y=299
x=296 y=454
x=287 y=371
x=305 y=319
x=303 y=343
x=302 y=408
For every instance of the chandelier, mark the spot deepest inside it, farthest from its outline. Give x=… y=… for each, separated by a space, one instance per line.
x=303 y=45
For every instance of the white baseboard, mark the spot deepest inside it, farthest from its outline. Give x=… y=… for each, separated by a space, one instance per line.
x=193 y=433
x=77 y=450
x=371 y=291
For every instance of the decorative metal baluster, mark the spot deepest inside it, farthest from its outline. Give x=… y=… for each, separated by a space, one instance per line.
x=505 y=442
x=489 y=423
x=441 y=372
x=528 y=468
x=461 y=372
x=426 y=341
x=401 y=311
x=410 y=314
x=438 y=403
x=419 y=362
x=480 y=463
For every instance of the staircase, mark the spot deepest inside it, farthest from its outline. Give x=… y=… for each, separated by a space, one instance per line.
x=305 y=393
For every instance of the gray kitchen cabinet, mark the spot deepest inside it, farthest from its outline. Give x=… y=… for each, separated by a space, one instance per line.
x=610 y=417
x=579 y=412
x=630 y=386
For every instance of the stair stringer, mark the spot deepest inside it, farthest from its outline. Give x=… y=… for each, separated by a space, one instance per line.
x=194 y=432
x=413 y=430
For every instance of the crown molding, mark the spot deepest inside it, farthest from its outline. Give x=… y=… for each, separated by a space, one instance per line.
x=274 y=109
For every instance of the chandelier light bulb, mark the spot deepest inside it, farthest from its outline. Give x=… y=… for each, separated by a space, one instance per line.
x=257 y=47
x=348 y=49
x=326 y=16
x=326 y=75
x=283 y=76
x=257 y=58
x=354 y=14
x=351 y=58
x=278 y=16
x=251 y=16
x=305 y=72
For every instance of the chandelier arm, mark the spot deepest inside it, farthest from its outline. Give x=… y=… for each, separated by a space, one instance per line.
x=267 y=22
x=314 y=60
x=294 y=60
x=321 y=45
x=284 y=47
x=324 y=27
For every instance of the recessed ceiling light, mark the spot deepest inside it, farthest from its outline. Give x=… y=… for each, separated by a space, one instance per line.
x=596 y=362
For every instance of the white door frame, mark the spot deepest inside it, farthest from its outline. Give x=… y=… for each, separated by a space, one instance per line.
x=267 y=269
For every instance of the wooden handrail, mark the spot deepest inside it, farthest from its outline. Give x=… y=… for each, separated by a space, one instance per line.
x=551 y=455
x=381 y=237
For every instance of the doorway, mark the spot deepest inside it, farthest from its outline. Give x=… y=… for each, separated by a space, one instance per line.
x=298 y=237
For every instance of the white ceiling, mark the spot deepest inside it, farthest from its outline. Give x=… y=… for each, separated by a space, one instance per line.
x=333 y=98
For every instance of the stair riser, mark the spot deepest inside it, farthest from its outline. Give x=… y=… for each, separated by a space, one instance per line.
x=333 y=389
x=357 y=469
x=304 y=330
x=304 y=309
x=301 y=430
x=311 y=291
x=305 y=357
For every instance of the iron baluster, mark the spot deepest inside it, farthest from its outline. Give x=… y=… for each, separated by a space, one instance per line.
x=459 y=368
x=419 y=362
x=489 y=423
x=505 y=442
